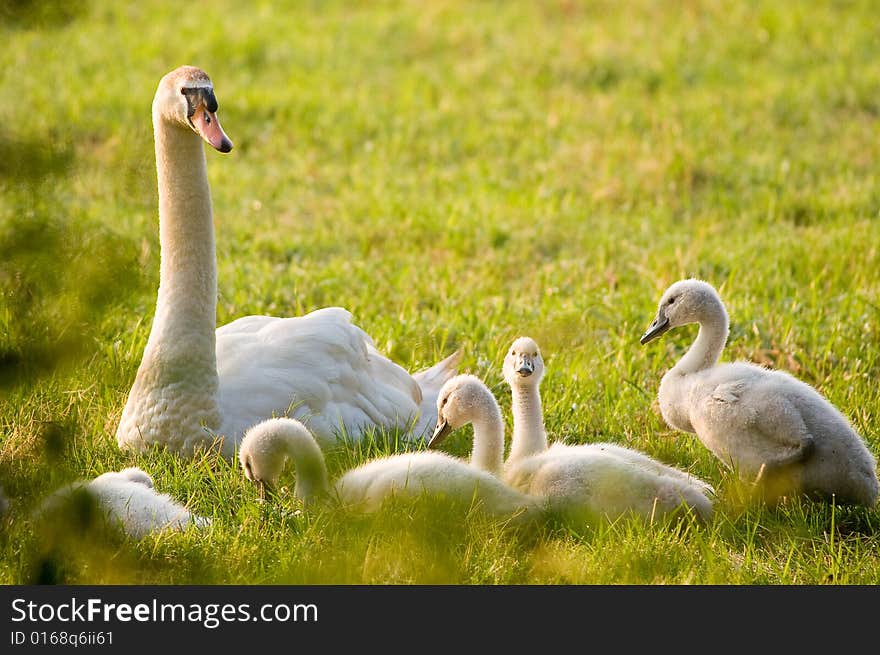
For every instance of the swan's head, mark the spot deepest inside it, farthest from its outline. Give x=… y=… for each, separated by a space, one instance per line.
x=185 y=97
x=523 y=364
x=686 y=301
x=265 y=448
x=462 y=400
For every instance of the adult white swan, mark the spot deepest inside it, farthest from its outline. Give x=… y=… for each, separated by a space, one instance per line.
x=196 y=386
x=763 y=423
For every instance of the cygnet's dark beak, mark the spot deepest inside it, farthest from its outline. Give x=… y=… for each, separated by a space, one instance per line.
x=442 y=431
x=524 y=366
x=658 y=327
x=265 y=490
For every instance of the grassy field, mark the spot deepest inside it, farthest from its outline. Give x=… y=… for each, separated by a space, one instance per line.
x=456 y=174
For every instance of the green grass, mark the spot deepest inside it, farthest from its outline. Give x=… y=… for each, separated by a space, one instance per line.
x=455 y=174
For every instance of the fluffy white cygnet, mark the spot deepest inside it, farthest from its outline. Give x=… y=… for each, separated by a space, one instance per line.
x=127 y=499
x=766 y=424
x=267 y=447
x=600 y=479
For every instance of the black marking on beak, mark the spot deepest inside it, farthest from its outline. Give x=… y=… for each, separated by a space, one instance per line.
x=442 y=431
x=526 y=367
x=226 y=146
x=199 y=96
x=658 y=327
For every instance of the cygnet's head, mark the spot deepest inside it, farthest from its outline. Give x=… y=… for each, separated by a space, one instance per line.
x=523 y=364
x=686 y=301
x=185 y=97
x=462 y=400
x=264 y=451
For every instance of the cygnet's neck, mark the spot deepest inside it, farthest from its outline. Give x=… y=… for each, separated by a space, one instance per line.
x=308 y=460
x=488 y=450
x=707 y=347
x=529 y=436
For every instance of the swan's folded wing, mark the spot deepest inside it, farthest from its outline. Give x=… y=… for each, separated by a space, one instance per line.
x=319 y=368
x=729 y=392
x=782 y=425
x=750 y=423
x=245 y=325
x=724 y=406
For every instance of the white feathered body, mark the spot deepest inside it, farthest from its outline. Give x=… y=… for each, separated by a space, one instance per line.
x=411 y=475
x=748 y=415
x=607 y=480
x=318 y=368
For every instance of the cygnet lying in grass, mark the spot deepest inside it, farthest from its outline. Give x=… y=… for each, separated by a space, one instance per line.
x=602 y=478
x=127 y=499
x=268 y=445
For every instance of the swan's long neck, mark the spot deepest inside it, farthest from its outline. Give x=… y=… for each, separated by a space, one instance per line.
x=174 y=397
x=529 y=437
x=488 y=452
x=308 y=460
x=707 y=347
x=187 y=304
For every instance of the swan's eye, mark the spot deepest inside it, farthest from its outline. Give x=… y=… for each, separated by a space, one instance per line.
x=207 y=118
x=443 y=402
x=670 y=301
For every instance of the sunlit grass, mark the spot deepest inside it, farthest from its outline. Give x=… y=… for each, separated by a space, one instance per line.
x=456 y=174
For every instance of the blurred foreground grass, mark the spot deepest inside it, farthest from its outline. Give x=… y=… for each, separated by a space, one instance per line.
x=456 y=174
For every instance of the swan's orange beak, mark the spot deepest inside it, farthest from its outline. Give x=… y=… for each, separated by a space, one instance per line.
x=206 y=124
